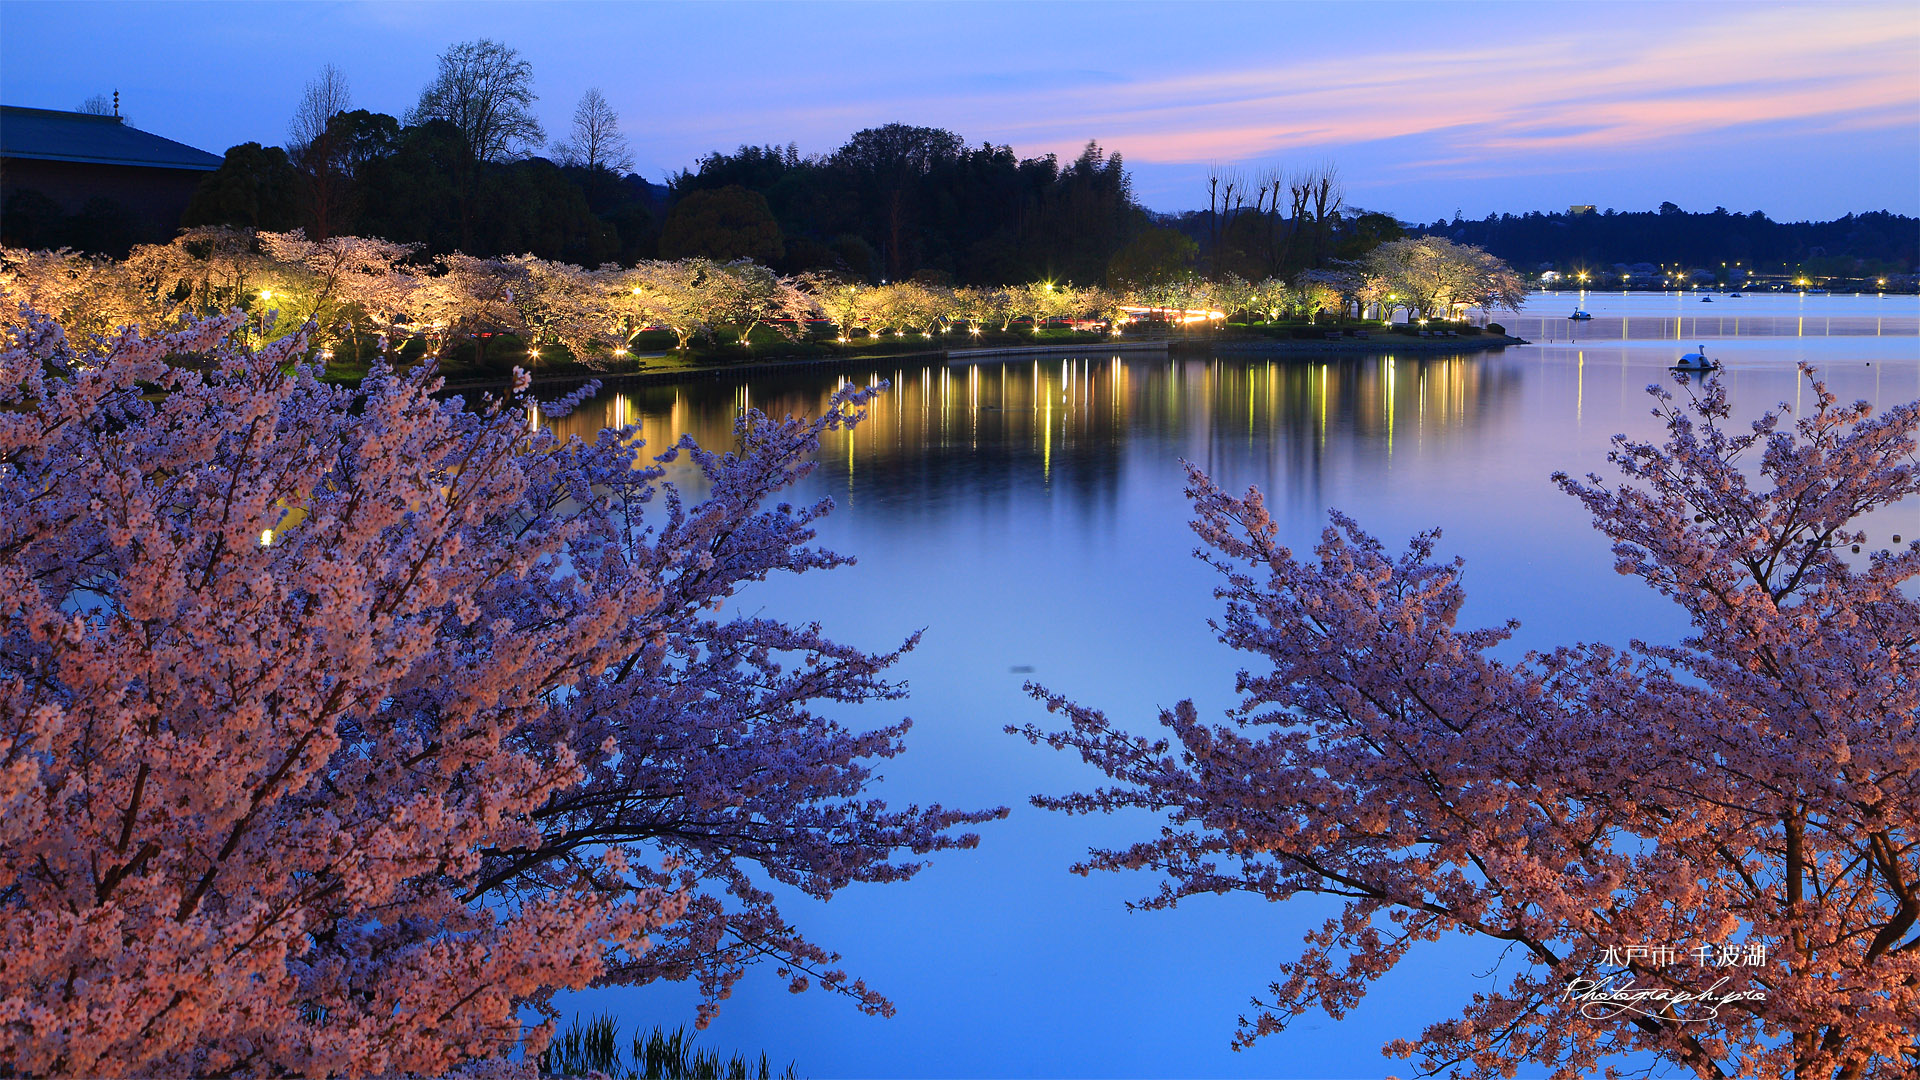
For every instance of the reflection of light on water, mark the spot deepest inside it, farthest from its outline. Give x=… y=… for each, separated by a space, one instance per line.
x=1046 y=448
x=973 y=406
x=1389 y=406
x=1420 y=416
x=1323 y=406
x=1580 y=388
x=1100 y=412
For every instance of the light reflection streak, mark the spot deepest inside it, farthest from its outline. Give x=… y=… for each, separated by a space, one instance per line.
x=1277 y=413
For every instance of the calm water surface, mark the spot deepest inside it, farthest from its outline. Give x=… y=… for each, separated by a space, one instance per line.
x=1028 y=516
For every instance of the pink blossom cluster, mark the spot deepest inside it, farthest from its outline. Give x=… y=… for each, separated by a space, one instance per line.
x=340 y=726
x=1757 y=782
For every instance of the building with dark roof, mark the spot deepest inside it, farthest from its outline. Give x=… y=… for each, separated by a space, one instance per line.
x=91 y=181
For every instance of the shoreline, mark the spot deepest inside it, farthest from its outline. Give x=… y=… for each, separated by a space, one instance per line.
x=1392 y=343
x=1383 y=345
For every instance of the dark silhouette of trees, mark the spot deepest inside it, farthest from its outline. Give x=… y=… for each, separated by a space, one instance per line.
x=1869 y=242
x=883 y=166
x=1154 y=257
x=315 y=152
x=896 y=200
x=255 y=186
x=1274 y=227
x=484 y=91
x=731 y=223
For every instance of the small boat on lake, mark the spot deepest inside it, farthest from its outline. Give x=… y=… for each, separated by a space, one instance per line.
x=1697 y=361
x=1706 y=299
x=1579 y=315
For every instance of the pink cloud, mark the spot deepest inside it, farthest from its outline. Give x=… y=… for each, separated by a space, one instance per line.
x=1604 y=86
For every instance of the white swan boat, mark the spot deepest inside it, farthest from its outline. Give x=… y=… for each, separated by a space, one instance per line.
x=1697 y=361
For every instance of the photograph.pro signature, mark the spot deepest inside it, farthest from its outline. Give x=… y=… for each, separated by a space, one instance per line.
x=1617 y=994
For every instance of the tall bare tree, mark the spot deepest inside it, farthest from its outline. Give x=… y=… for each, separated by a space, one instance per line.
x=485 y=91
x=1318 y=192
x=1226 y=196
x=313 y=149
x=597 y=142
x=1266 y=206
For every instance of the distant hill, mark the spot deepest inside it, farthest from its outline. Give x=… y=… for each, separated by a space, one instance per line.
x=1858 y=245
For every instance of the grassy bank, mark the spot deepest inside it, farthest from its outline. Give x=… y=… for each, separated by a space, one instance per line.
x=492 y=360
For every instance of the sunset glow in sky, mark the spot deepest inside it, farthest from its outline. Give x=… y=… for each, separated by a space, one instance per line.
x=1798 y=110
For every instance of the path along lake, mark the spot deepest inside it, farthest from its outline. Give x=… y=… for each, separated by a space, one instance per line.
x=1028 y=515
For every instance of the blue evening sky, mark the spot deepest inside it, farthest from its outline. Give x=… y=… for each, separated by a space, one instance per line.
x=1798 y=110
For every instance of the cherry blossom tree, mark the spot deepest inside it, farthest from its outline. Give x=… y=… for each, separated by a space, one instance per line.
x=559 y=303
x=91 y=294
x=984 y=308
x=1751 y=791
x=1433 y=276
x=345 y=285
x=205 y=270
x=341 y=726
x=841 y=301
x=1234 y=295
x=684 y=295
x=1326 y=290
x=881 y=309
x=748 y=295
x=1273 y=297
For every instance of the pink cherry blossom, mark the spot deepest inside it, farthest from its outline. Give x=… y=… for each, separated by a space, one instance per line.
x=1755 y=786
x=340 y=726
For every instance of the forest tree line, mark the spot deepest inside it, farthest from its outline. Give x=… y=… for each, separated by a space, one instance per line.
x=470 y=169
x=1855 y=245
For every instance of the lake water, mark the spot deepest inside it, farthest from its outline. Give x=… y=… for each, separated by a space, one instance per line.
x=1028 y=515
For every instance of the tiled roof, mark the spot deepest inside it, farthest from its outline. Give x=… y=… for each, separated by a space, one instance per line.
x=52 y=135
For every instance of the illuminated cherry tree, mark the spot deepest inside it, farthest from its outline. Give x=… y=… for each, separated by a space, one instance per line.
x=1616 y=818
x=86 y=292
x=1433 y=276
x=341 y=726
x=748 y=295
x=345 y=285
